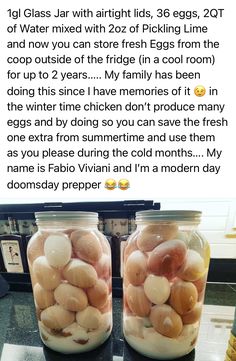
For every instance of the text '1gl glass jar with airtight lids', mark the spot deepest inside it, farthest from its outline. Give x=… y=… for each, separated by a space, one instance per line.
x=166 y=263
x=70 y=268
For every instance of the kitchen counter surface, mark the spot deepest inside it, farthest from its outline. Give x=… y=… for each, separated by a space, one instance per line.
x=20 y=341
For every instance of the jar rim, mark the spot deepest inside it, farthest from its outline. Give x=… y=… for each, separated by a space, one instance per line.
x=169 y=215
x=66 y=216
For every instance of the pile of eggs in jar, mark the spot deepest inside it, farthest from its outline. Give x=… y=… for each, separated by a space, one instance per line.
x=164 y=282
x=71 y=277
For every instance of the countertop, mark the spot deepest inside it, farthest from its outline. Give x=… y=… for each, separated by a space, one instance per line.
x=20 y=341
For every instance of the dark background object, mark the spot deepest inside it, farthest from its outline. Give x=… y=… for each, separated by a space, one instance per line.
x=4 y=286
x=222 y=270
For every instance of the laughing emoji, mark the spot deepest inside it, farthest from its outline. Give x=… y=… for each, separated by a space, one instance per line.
x=110 y=184
x=123 y=184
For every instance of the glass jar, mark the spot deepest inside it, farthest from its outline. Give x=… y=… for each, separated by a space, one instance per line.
x=70 y=268
x=166 y=263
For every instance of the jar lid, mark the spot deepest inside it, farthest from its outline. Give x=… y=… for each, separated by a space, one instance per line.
x=180 y=215
x=66 y=216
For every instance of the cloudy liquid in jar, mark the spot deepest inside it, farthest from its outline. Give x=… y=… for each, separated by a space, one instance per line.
x=70 y=268
x=165 y=270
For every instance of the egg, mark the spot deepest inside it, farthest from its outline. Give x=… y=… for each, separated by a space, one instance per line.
x=73 y=329
x=69 y=231
x=193 y=268
x=107 y=307
x=106 y=324
x=86 y=245
x=32 y=276
x=98 y=294
x=183 y=236
x=138 y=301
x=57 y=249
x=183 y=296
x=126 y=308
x=43 y=297
x=146 y=322
x=103 y=267
x=167 y=258
x=109 y=284
x=38 y=312
x=154 y=234
x=126 y=282
x=136 y=268
x=157 y=289
x=199 y=244
x=80 y=273
x=196 y=243
x=103 y=242
x=48 y=277
x=201 y=287
x=193 y=315
x=166 y=321
x=90 y=318
x=35 y=247
x=131 y=245
x=70 y=297
x=200 y=284
x=133 y=326
x=56 y=317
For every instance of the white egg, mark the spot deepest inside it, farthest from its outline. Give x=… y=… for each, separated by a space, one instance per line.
x=57 y=249
x=157 y=289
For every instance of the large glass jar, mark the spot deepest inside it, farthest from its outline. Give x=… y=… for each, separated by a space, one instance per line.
x=70 y=268
x=164 y=277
